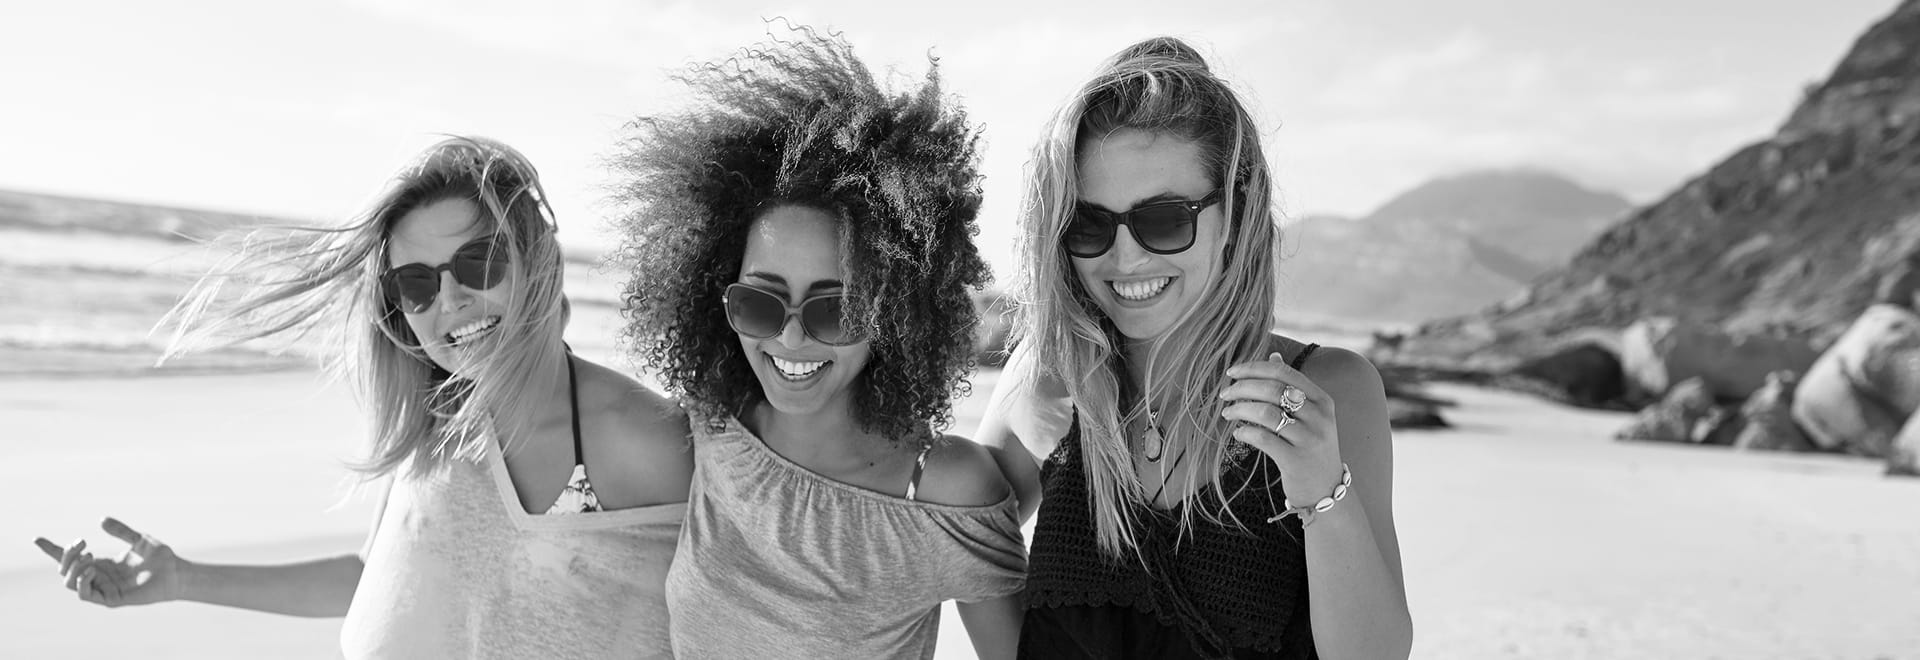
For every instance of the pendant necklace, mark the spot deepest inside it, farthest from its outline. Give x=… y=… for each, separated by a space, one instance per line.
x=1152 y=443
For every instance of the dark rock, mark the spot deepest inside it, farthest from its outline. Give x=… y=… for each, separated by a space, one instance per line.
x=1409 y=414
x=1900 y=286
x=1676 y=416
x=1588 y=373
x=1766 y=419
x=1904 y=457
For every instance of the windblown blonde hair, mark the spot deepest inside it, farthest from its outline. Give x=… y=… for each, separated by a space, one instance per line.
x=301 y=283
x=1164 y=87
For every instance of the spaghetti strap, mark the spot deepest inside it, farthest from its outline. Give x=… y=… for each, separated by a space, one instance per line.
x=1298 y=360
x=573 y=400
x=919 y=467
x=578 y=495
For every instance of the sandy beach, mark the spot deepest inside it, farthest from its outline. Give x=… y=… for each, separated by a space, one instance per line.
x=1527 y=532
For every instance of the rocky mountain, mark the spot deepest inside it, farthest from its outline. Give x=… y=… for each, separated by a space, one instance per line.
x=1788 y=235
x=1446 y=247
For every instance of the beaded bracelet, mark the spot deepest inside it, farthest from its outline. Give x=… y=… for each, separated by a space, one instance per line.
x=1306 y=513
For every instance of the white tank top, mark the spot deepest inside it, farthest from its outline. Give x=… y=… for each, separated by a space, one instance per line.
x=457 y=569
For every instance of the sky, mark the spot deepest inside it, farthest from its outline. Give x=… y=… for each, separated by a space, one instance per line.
x=306 y=108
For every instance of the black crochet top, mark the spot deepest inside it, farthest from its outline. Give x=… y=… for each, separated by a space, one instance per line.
x=1220 y=592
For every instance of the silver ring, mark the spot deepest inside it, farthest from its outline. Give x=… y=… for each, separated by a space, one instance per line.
x=1285 y=419
x=1292 y=399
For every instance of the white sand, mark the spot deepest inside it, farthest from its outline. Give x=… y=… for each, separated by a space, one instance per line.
x=1527 y=533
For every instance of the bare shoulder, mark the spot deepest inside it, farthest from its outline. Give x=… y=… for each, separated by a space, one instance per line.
x=1345 y=375
x=961 y=472
x=634 y=436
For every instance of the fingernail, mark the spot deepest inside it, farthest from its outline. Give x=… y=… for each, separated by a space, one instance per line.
x=1275 y=356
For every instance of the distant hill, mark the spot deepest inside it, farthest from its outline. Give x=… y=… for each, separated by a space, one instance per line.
x=43 y=212
x=1790 y=233
x=1446 y=247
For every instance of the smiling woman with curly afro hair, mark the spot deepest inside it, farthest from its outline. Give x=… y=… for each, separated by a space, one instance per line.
x=806 y=123
x=800 y=246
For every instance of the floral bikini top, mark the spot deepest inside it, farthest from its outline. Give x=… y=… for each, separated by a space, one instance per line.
x=578 y=496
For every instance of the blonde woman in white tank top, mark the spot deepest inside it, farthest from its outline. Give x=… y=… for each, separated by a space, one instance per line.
x=532 y=499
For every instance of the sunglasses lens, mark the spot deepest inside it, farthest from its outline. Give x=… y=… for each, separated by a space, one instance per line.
x=754 y=313
x=1089 y=235
x=822 y=319
x=480 y=265
x=413 y=286
x=1163 y=229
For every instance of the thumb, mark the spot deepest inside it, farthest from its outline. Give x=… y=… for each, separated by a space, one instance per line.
x=120 y=530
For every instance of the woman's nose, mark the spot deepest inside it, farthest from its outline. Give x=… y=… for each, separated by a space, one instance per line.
x=1127 y=253
x=453 y=295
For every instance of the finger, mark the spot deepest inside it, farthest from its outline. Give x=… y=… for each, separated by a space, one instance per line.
x=1263 y=415
x=1272 y=367
x=52 y=549
x=1276 y=369
x=81 y=566
x=1264 y=440
x=120 y=530
x=1279 y=374
x=71 y=555
x=85 y=586
x=1264 y=390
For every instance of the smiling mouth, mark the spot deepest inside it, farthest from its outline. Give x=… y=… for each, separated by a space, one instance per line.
x=1139 y=290
x=471 y=331
x=795 y=369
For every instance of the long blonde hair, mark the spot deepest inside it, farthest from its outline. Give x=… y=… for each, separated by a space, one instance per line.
x=1161 y=86
x=300 y=283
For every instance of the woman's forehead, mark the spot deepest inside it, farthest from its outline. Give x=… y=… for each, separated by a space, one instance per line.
x=431 y=233
x=799 y=244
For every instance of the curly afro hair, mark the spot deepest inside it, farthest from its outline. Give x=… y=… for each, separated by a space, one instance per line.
x=801 y=121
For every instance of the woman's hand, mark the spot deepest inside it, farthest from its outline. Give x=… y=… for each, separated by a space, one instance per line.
x=1306 y=448
x=147 y=573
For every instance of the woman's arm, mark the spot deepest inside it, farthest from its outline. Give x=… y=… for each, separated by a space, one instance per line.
x=1025 y=415
x=150 y=572
x=963 y=473
x=313 y=588
x=1357 y=596
x=993 y=625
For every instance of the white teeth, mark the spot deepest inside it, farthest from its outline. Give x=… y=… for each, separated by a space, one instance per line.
x=1140 y=289
x=796 y=370
x=470 y=330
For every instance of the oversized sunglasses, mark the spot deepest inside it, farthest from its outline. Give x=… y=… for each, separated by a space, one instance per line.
x=762 y=314
x=1160 y=227
x=479 y=265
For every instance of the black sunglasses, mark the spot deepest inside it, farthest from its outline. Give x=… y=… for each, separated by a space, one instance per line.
x=1160 y=227
x=762 y=314
x=478 y=265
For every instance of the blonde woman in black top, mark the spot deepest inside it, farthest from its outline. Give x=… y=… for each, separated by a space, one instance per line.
x=1210 y=489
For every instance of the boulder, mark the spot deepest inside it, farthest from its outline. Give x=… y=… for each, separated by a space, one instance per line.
x=1588 y=374
x=1657 y=352
x=1766 y=419
x=1900 y=286
x=1904 y=457
x=1687 y=414
x=1860 y=392
x=1411 y=414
